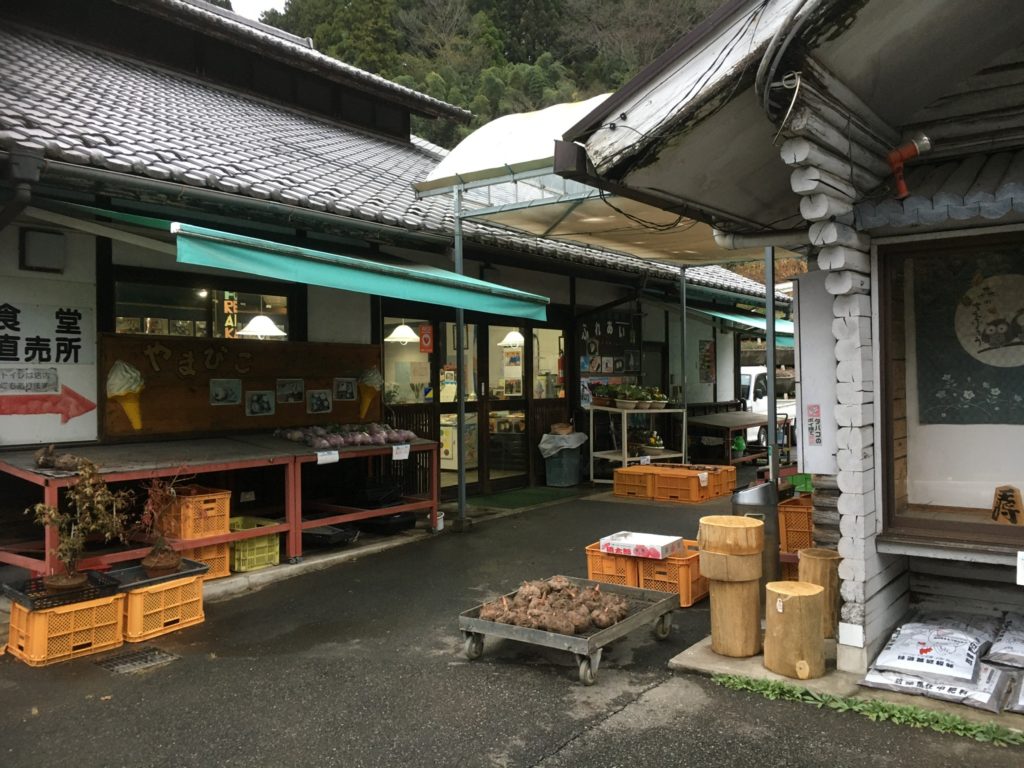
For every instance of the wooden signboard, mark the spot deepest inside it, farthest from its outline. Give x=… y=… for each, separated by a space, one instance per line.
x=1007 y=506
x=163 y=385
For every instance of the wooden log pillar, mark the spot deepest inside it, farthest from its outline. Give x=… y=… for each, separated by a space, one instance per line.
x=821 y=567
x=731 y=548
x=792 y=643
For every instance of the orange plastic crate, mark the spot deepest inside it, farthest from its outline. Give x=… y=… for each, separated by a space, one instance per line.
x=635 y=482
x=789 y=571
x=197 y=512
x=611 y=569
x=162 y=608
x=796 y=528
x=680 y=484
x=721 y=478
x=676 y=573
x=66 y=632
x=216 y=557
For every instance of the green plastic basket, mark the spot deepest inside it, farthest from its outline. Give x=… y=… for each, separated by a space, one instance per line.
x=251 y=554
x=802 y=483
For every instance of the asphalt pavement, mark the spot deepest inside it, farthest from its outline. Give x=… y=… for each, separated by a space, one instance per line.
x=362 y=664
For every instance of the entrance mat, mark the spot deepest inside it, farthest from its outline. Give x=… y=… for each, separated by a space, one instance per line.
x=528 y=497
x=136 y=660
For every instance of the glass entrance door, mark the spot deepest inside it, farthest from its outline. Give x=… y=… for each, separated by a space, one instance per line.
x=508 y=458
x=449 y=388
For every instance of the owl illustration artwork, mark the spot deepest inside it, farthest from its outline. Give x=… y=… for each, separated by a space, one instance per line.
x=1017 y=326
x=996 y=333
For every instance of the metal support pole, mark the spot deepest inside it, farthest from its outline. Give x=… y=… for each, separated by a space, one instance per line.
x=682 y=356
x=769 y=330
x=460 y=369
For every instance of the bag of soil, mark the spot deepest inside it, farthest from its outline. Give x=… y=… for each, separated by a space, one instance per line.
x=941 y=648
x=1016 y=701
x=1008 y=645
x=988 y=693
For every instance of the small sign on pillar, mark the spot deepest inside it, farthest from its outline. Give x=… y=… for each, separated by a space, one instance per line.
x=1007 y=506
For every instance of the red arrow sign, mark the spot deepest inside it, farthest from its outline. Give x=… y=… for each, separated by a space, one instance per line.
x=68 y=404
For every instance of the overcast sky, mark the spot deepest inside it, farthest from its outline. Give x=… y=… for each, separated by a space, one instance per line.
x=253 y=8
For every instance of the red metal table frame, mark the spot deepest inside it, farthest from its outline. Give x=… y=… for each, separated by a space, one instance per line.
x=143 y=461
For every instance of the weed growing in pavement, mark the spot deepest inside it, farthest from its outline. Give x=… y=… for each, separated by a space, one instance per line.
x=877 y=711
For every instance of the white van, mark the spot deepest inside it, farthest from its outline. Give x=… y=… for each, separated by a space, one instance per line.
x=754 y=390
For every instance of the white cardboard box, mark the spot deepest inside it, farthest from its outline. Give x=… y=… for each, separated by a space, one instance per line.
x=649 y=545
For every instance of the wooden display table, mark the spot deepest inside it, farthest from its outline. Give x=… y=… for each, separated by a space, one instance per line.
x=177 y=458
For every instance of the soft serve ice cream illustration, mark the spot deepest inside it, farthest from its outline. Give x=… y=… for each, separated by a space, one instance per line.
x=124 y=385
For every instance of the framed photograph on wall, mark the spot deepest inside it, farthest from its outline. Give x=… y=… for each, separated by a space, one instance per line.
x=259 y=403
x=225 y=391
x=345 y=389
x=318 y=401
x=291 y=390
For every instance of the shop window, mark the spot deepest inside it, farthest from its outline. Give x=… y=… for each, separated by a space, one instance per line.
x=179 y=310
x=506 y=351
x=449 y=372
x=953 y=346
x=548 y=363
x=407 y=353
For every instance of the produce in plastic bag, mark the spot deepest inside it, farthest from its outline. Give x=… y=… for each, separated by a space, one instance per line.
x=1008 y=646
x=988 y=693
x=941 y=648
x=1016 y=701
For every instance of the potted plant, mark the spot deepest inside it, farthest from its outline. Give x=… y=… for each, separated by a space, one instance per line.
x=626 y=397
x=602 y=394
x=89 y=508
x=162 y=559
x=658 y=399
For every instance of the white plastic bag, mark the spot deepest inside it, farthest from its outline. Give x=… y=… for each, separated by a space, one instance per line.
x=1016 y=700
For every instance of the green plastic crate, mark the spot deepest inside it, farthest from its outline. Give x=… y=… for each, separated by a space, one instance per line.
x=802 y=483
x=251 y=554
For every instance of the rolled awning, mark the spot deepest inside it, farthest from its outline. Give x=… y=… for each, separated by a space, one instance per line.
x=218 y=249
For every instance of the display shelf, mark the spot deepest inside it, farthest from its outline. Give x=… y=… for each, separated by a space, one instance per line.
x=621 y=454
x=143 y=461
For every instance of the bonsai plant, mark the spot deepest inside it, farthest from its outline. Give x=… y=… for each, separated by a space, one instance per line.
x=89 y=508
x=160 y=497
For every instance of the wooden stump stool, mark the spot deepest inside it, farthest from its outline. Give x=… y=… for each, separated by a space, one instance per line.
x=821 y=567
x=792 y=643
x=730 y=552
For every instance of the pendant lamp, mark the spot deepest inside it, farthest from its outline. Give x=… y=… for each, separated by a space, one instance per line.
x=261 y=327
x=512 y=339
x=402 y=334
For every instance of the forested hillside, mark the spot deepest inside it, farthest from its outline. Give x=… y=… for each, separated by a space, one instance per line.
x=494 y=57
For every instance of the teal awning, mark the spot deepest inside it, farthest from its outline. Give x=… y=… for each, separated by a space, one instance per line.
x=218 y=249
x=783 y=328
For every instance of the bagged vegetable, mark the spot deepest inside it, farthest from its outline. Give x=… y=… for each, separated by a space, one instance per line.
x=1016 y=701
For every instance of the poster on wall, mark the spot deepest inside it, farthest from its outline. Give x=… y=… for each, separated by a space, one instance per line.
x=706 y=361
x=969 y=320
x=47 y=361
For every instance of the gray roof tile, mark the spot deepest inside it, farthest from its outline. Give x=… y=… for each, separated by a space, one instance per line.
x=125 y=116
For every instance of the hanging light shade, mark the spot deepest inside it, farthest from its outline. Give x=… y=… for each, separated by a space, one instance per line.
x=260 y=326
x=512 y=339
x=402 y=334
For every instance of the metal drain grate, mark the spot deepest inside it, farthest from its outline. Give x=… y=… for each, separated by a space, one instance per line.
x=136 y=660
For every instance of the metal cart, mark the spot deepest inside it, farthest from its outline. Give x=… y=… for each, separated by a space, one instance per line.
x=645 y=607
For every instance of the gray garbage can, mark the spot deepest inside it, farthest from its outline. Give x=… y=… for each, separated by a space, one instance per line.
x=762 y=502
x=563 y=469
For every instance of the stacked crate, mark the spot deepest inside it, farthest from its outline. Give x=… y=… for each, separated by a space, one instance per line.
x=675 y=573
x=199 y=512
x=796 y=531
x=686 y=483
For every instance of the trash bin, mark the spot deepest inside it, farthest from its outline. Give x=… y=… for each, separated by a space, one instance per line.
x=762 y=502
x=562 y=458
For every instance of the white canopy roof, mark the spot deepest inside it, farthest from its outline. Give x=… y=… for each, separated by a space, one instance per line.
x=506 y=170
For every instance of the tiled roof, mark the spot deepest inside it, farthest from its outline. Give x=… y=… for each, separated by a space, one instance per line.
x=95 y=109
x=981 y=187
x=277 y=44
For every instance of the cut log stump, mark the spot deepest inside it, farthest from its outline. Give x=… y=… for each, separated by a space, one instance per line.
x=731 y=535
x=735 y=618
x=793 y=645
x=821 y=567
